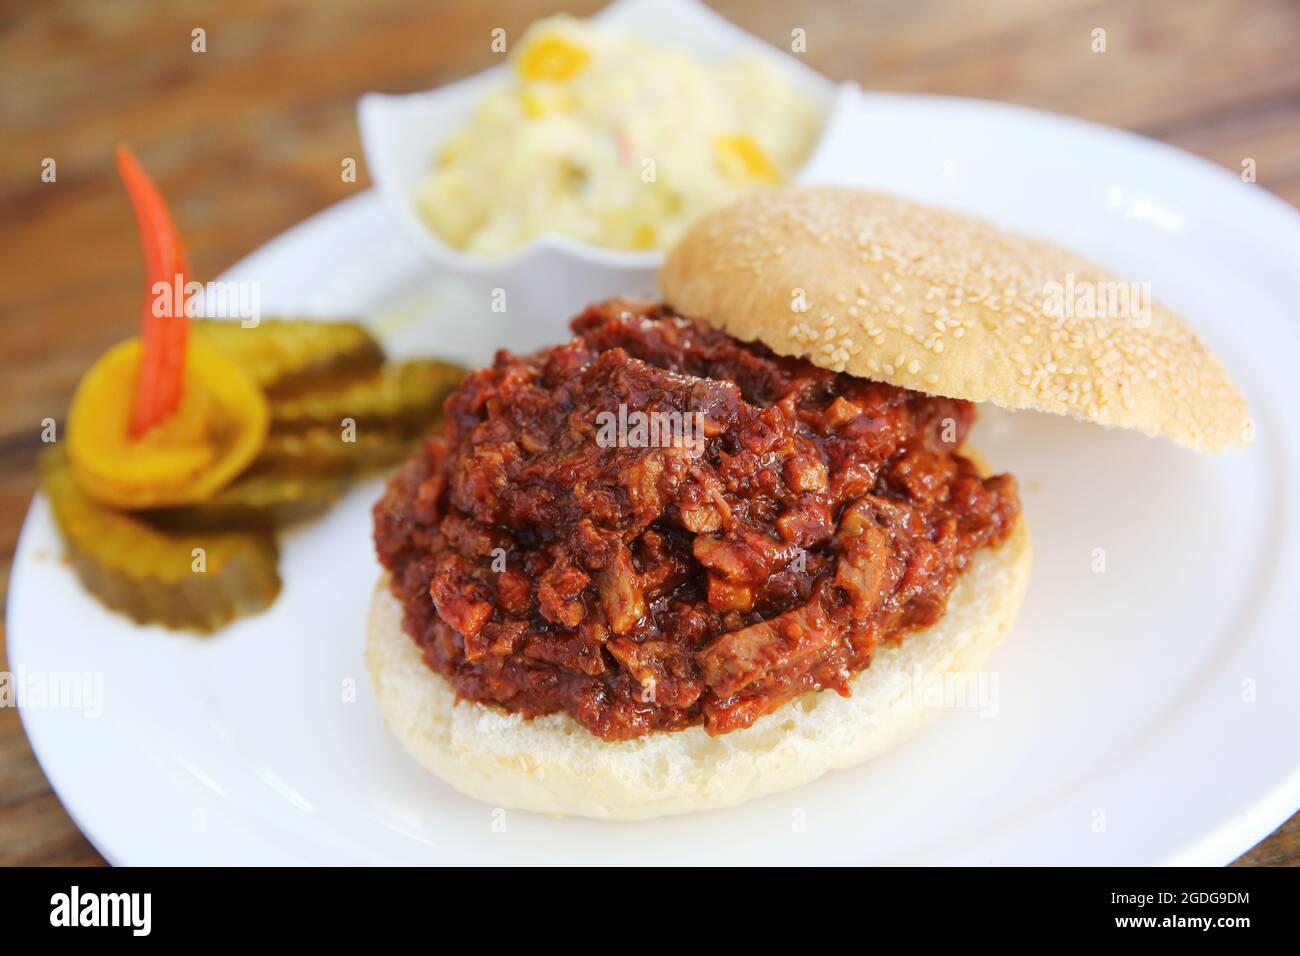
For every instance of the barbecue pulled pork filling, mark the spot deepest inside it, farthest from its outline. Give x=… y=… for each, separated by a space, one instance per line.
x=554 y=551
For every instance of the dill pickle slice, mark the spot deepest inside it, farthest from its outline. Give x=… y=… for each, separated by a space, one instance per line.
x=148 y=573
x=320 y=449
x=406 y=394
x=259 y=499
x=284 y=355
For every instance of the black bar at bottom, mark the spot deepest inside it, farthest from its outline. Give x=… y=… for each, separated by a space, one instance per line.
x=633 y=909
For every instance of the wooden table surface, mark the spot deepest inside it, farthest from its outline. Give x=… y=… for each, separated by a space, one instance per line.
x=247 y=138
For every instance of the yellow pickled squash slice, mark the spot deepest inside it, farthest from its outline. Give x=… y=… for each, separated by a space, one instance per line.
x=197 y=580
x=216 y=432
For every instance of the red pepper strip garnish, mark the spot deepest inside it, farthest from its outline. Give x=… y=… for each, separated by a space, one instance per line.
x=162 y=357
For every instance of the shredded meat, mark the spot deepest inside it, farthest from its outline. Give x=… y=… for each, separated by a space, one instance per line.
x=644 y=579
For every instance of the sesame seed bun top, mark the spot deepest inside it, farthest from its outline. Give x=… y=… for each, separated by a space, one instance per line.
x=939 y=302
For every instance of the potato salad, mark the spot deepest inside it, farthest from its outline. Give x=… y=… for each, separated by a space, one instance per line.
x=611 y=140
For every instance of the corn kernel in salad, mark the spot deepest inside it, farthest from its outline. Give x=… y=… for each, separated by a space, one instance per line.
x=551 y=57
x=741 y=159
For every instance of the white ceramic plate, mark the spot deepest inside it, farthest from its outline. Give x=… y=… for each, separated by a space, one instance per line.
x=1144 y=714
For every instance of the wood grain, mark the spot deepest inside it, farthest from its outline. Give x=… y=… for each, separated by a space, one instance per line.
x=247 y=138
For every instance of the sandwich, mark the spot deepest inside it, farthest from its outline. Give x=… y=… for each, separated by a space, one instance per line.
x=717 y=545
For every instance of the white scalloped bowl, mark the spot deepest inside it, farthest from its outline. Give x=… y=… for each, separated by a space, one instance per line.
x=557 y=275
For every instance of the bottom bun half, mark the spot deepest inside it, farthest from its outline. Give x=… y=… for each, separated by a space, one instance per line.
x=552 y=764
